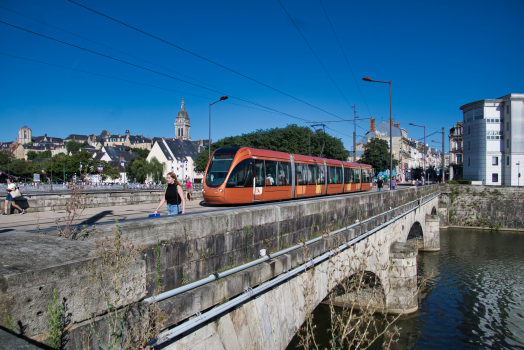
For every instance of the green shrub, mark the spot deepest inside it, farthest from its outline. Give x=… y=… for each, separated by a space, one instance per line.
x=459 y=182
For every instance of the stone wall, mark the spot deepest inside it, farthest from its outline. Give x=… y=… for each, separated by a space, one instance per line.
x=50 y=201
x=484 y=206
x=177 y=250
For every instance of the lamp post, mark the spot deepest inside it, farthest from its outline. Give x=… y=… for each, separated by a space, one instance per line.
x=390 y=127
x=209 y=141
x=422 y=126
x=443 y=159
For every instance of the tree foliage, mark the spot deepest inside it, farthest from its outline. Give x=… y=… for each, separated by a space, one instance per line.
x=31 y=155
x=291 y=139
x=141 y=152
x=377 y=154
x=139 y=169
x=61 y=163
x=74 y=146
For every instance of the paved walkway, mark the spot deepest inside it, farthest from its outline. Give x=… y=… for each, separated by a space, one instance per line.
x=46 y=220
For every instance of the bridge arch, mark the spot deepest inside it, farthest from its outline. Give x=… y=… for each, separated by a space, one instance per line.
x=363 y=288
x=416 y=232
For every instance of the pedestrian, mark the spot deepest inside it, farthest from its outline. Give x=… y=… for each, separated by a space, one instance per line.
x=174 y=196
x=189 y=188
x=380 y=184
x=11 y=187
x=394 y=183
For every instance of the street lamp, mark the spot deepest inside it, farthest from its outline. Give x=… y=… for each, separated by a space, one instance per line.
x=443 y=158
x=390 y=127
x=422 y=126
x=209 y=141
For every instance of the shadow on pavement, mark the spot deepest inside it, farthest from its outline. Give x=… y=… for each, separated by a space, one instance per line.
x=96 y=218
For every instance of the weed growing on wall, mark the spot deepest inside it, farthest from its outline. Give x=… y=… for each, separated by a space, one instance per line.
x=357 y=299
x=75 y=206
x=126 y=323
x=247 y=229
x=57 y=321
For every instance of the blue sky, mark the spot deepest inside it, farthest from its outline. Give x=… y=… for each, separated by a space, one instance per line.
x=438 y=55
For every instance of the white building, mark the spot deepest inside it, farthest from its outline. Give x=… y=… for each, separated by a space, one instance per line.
x=494 y=140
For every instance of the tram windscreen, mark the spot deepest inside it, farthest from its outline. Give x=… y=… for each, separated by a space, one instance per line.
x=220 y=163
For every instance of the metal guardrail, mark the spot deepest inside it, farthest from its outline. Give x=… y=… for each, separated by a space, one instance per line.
x=248 y=292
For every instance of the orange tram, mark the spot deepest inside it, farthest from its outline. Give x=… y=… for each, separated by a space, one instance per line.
x=245 y=175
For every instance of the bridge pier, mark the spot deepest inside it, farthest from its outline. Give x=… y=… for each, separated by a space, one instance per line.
x=431 y=234
x=402 y=273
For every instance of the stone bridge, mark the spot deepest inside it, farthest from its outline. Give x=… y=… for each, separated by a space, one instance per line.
x=177 y=251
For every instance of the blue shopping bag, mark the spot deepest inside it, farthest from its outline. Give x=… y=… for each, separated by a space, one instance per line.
x=154 y=215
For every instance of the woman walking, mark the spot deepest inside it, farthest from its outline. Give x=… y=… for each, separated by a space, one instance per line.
x=188 y=187
x=174 y=196
x=10 y=188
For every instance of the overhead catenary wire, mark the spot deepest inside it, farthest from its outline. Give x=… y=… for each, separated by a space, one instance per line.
x=345 y=57
x=314 y=53
x=131 y=81
x=147 y=69
x=204 y=58
x=119 y=51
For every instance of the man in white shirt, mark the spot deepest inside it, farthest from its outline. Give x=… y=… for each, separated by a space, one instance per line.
x=11 y=187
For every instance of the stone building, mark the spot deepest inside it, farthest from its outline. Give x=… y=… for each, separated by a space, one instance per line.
x=455 y=151
x=24 y=135
x=182 y=124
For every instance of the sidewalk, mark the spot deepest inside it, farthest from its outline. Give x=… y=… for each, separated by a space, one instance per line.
x=46 y=219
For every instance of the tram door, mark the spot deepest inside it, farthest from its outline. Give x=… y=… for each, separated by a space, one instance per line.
x=258 y=185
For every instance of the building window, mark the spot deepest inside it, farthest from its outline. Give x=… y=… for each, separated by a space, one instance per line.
x=494 y=177
x=507 y=109
x=507 y=160
x=494 y=160
x=507 y=143
x=479 y=113
x=469 y=161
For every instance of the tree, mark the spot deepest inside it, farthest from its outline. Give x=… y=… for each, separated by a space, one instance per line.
x=6 y=157
x=377 y=155
x=138 y=169
x=291 y=139
x=156 y=169
x=141 y=152
x=44 y=154
x=74 y=146
x=31 y=155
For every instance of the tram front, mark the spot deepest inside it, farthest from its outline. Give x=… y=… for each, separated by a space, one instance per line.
x=216 y=173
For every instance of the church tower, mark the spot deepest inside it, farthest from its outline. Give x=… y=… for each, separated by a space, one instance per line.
x=182 y=124
x=24 y=135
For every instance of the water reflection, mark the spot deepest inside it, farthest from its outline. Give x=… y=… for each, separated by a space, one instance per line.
x=475 y=298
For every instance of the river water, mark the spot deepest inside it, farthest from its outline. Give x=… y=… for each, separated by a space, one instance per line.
x=474 y=299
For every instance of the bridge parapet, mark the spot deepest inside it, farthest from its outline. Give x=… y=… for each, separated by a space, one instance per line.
x=182 y=249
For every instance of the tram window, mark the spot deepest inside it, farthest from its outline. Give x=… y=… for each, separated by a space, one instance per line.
x=284 y=177
x=301 y=173
x=338 y=175
x=366 y=174
x=335 y=175
x=241 y=176
x=217 y=170
x=348 y=175
x=271 y=173
x=259 y=173
x=321 y=175
x=356 y=176
x=312 y=174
